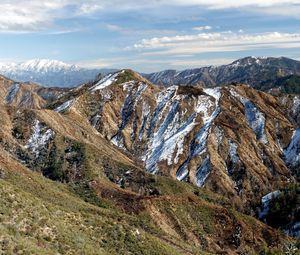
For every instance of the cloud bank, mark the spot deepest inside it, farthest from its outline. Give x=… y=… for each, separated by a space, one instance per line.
x=217 y=42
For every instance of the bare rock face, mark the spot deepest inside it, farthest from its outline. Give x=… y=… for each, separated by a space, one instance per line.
x=234 y=140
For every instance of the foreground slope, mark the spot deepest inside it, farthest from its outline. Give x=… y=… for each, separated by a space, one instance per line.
x=44 y=217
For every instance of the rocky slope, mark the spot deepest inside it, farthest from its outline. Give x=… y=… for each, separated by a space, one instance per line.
x=233 y=140
x=27 y=95
x=49 y=72
x=260 y=73
x=96 y=140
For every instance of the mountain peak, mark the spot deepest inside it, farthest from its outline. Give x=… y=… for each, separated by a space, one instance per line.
x=45 y=65
x=37 y=65
x=118 y=77
x=250 y=60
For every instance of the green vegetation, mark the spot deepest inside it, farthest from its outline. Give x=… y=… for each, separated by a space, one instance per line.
x=289 y=84
x=39 y=216
x=84 y=190
x=290 y=248
x=285 y=209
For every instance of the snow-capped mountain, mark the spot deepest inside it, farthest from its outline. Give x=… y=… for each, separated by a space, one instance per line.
x=49 y=72
x=39 y=65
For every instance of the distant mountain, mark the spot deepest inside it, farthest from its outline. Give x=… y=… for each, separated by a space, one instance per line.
x=258 y=72
x=50 y=72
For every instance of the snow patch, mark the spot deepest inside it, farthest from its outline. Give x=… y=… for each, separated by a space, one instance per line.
x=296 y=105
x=215 y=93
x=145 y=115
x=292 y=152
x=202 y=135
x=39 y=139
x=265 y=201
x=105 y=82
x=203 y=172
x=170 y=136
x=219 y=136
x=256 y=121
x=161 y=101
x=66 y=105
x=233 y=152
x=133 y=96
x=118 y=141
x=255 y=118
x=203 y=106
x=199 y=143
x=12 y=92
x=128 y=85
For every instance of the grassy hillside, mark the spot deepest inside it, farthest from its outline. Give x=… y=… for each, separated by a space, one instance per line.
x=40 y=216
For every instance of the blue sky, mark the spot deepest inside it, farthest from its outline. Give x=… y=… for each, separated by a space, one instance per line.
x=148 y=35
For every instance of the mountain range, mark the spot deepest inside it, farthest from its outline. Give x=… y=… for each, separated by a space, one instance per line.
x=262 y=73
x=120 y=165
x=50 y=73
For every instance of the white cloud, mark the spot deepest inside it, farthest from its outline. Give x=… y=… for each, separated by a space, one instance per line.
x=30 y=15
x=220 y=4
x=34 y=15
x=213 y=4
x=200 y=62
x=16 y=15
x=201 y=28
x=279 y=7
x=137 y=61
x=89 y=8
x=217 y=42
x=114 y=28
